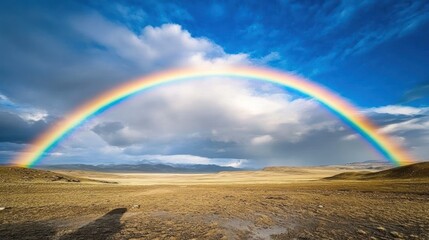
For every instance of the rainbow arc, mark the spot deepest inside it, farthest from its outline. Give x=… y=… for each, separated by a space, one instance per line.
x=343 y=109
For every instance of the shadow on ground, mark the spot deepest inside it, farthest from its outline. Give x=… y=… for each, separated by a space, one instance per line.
x=26 y=230
x=102 y=228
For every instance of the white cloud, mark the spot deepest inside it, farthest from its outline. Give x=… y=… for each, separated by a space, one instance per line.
x=177 y=159
x=237 y=163
x=406 y=125
x=193 y=159
x=34 y=115
x=3 y=99
x=262 y=139
x=350 y=137
x=29 y=114
x=271 y=57
x=210 y=121
x=397 y=110
x=222 y=110
x=413 y=124
x=223 y=118
x=165 y=46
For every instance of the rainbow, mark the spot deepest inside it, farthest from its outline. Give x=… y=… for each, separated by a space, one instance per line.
x=347 y=112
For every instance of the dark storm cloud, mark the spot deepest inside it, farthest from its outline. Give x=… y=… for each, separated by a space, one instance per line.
x=70 y=53
x=231 y=122
x=15 y=129
x=110 y=132
x=321 y=147
x=108 y=128
x=45 y=58
x=181 y=146
x=328 y=146
x=58 y=54
x=223 y=124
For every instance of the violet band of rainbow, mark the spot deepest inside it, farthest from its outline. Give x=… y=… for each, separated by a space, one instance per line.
x=343 y=109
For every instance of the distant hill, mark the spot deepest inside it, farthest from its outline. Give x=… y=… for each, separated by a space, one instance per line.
x=290 y=170
x=413 y=171
x=19 y=174
x=370 y=164
x=145 y=168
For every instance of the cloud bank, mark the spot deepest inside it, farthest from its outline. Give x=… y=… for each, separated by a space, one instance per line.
x=213 y=120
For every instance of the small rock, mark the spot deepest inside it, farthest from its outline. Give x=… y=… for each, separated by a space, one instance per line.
x=320 y=206
x=373 y=238
x=396 y=234
x=380 y=228
x=73 y=180
x=414 y=236
x=362 y=232
x=136 y=206
x=2 y=208
x=57 y=178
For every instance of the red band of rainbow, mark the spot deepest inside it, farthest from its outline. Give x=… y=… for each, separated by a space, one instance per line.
x=346 y=111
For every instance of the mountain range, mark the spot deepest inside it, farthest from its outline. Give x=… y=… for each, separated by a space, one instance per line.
x=144 y=168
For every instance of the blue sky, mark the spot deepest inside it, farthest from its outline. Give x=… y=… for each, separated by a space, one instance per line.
x=59 y=54
x=341 y=44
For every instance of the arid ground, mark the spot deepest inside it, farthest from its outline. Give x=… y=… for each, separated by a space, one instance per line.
x=292 y=203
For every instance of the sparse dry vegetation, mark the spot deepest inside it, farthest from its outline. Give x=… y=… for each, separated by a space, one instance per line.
x=413 y=171
x=304 y=209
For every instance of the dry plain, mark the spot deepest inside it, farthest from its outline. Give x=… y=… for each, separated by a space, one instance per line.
x=293 y=203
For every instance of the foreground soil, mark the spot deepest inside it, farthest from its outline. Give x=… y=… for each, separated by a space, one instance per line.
x=395 y=209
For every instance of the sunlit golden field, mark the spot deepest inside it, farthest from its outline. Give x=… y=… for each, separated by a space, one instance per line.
x=280 y=175
x=231 y=205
